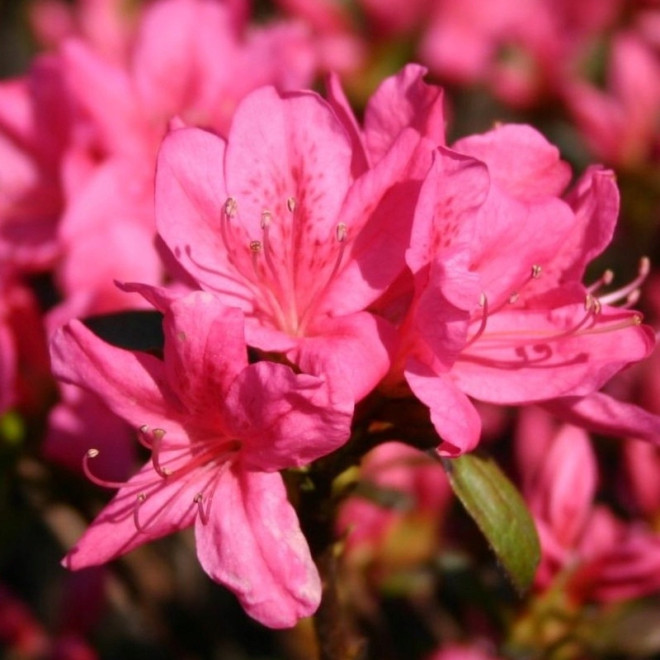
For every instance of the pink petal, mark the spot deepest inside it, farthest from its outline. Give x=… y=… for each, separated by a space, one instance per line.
x=529 y=355
x=454 y=189
x=600 y=413
x=352 y=352
x=147 y=507
x=443 y=309
x=106 y=92
x=342 y=107
x=190 y=199
x=378 y=211
x=252 y=544
x=521 y=161
x=284 y=419
x=291 y=157
x=563 y=489
x=512 y=236
x=204 y=352
x=403 y=100
x=453 y=415
x=132 y=384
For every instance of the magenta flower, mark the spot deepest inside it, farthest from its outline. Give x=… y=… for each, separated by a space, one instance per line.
x=501 y=314
x=604 y=558
x=219 y=429
x=286 y=221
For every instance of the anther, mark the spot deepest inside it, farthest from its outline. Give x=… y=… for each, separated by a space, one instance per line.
x=624 y=292
x=139 y=501
x=483 y=303
x=199 y=501
x=341 y=232
x=536 y=271
x=255 y=246
x=92 y=453
x=231 y=206
x=266 y=218
x=592 y=304
x=291 y=204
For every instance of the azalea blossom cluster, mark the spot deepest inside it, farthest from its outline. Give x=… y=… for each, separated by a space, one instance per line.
x=252 y=311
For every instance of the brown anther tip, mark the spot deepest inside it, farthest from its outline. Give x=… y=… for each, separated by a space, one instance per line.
x=255 y=246
x=291 y=204
x=230 y=207
x=198 y=498
x=158 y=433
x=141 y=497
x=266 y=217
x=92 y=453
x=341 y=232
x=536 y=271
x=637 y=319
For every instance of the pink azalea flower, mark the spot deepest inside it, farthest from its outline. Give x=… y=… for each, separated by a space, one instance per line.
x=34 y=127
x=501 y=314
x=421 y=494
x=218 y=429
x=603 y=558
x=287 y=221
x=620 y=123
x=106 y=24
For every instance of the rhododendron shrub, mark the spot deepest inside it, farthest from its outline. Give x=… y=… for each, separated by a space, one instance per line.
x=356 y=352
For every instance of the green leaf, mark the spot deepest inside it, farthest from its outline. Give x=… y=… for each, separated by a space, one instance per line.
x=500 y=512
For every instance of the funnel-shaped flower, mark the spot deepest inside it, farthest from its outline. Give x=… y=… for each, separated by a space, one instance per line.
x=286 y=222
x=218 y=429
x=502 y=269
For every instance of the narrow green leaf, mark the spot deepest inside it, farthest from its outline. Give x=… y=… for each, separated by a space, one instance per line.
x=500 y=512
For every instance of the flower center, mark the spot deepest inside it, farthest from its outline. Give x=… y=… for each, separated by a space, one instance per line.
x=540 y=340
x=285 y=268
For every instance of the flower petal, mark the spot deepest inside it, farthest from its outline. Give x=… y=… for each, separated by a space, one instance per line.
x=146 y=508
x=132 y=384
x=284 y=419
x=455 y=418
x=252 y=544
x=204 y=352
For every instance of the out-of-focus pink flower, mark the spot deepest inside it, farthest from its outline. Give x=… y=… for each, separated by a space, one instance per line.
x=107 y=25
x=599 y=556
x=218 y=429
x=23 y=636
x=338 y=46
x=621 y=123
x=500 y=312
x=287 y=221
x=34 y=129
x=401 y=489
